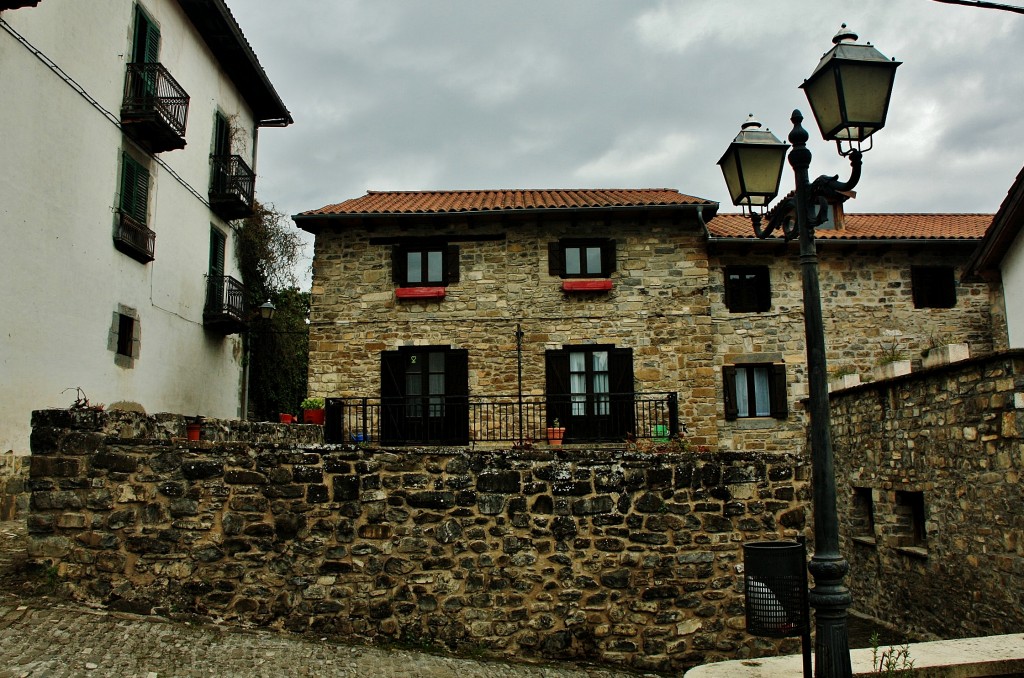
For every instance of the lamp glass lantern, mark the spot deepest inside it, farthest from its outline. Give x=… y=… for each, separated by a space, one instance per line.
x=849 y=90
x=752 y=165
x=267 y=310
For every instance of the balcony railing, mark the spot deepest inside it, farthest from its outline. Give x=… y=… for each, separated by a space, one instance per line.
x=155 y=107
x=459 y=420
x=134 y=238
x=225 y=305
x=232 y=186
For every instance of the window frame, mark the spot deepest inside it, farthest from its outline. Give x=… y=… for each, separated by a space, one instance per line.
x=778 y=393
x=558 y=262
x=133 y=199
x=126 y=349
x=739 y=297
x=933 y=286
x=450 y=255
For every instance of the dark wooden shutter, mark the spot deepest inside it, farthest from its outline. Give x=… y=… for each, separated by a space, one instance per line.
x=452 y=264
x=620 y=383
x=608 y=257
x=134 y=189
x=779 y=393
x=727 y=297
x=398 y=265
x=556 y=260
x=456 y=386
x=146 y=41
x=729 y=391
x=217 y=243
x=392 y=390
x=152 y=42
x=221 y=135
x=556 y=370
x=763 y=291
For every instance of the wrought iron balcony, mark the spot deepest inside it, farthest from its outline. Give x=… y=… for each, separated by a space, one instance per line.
x=134 y=238
x=15 y=4
x=155 y=107
x=224 y=311
x=232 y=187
x=459 y=420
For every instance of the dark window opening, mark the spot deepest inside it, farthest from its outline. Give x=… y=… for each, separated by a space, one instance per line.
x=590 y=392
x=910 y=519
x=747 y=289
x=125 y=334
x=862 y=514
x=146 y=39
x=429 y=265
x=593 y=258
x=425 y=395
x=757 y=390
x=933 y=286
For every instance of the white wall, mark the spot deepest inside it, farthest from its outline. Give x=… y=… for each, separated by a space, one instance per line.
x=1012 y=269
x=59 y=182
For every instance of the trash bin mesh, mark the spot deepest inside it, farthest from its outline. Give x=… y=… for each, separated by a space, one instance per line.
x=775 y=583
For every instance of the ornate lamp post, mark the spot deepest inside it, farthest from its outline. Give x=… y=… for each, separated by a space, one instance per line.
x=849 y=94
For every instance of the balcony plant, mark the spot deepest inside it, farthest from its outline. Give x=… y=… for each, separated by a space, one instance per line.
x=843 y=377
x=892 y=361
x=941 y=351
x=555 y=433
x=313 y=411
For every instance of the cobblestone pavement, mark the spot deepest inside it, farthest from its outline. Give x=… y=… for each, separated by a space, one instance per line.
x=44 y=636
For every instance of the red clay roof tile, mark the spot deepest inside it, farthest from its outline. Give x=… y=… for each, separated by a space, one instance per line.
x=438 y=202
x=874 y=227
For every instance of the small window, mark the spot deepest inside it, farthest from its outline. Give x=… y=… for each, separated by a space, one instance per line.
x=134 y=201
x=124 y=338
x=125 y=334
x=757 y=390
x=428 y=265
x=933 y=286
x=862 y=514
x=910 y=518
x=747 y=289
x=593 y=258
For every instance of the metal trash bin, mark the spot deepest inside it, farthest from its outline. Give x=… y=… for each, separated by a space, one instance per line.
x=775 y=585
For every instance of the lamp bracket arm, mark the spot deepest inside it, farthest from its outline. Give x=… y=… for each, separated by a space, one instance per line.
x=830 y=186
x=782 y=217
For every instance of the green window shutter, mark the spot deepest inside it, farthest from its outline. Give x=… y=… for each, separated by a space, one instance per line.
x=134 y=189
x=221 y=136
x=146 y=41
x=217 y=246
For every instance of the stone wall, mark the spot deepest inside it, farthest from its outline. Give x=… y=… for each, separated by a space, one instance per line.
x=619 y=556
x=658 y=307
x=928 y=470
x=865 y=291
x=14 y=496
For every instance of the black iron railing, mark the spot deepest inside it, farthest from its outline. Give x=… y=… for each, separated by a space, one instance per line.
x=134 y=238
x=460 y=420
x=155 y=107
x=232 y=186
x=225 y=304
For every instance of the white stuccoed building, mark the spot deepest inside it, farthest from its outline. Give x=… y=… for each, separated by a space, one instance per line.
x=128 y=133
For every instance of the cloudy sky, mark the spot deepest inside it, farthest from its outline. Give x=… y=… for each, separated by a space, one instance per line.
x=464 y=94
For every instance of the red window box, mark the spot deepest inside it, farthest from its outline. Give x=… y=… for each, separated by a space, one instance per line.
x=586 y=285
x=420 y=292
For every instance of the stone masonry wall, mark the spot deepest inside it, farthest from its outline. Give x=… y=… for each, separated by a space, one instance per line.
x=865 y=291
x=607 y=555
x=658 y=308
x=952 y=440
x=14 y=496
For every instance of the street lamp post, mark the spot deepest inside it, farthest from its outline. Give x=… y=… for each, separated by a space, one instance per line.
x=849 y=94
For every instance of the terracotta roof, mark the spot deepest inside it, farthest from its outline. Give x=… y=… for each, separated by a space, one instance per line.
x=441 y=202
x=874 y=227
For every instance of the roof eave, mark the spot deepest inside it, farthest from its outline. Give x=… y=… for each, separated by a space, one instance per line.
x=313 y=223
x=1006 y=226
x=224 y=38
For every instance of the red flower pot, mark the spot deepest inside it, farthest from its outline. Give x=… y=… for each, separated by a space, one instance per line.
x=313 y=417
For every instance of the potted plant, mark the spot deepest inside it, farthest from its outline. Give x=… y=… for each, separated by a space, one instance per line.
x=892 y=362
x=555 y=433
x=193 y=427
x=286 y=418
x=313 y=411
x=843 y=377
x=941 y=351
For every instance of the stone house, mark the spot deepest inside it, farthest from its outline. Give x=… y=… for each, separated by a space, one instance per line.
x=450 y=317
x=130 y=146
x=1000 y=259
